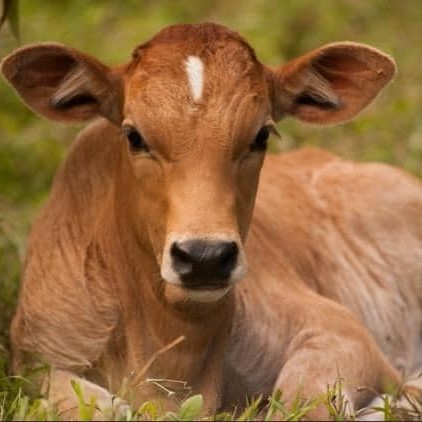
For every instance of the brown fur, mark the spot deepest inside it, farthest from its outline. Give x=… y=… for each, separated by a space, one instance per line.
x=333 y=248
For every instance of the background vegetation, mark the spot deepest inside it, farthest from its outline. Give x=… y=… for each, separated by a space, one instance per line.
x=31 y=148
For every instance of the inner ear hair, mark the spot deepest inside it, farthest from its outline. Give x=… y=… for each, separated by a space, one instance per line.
x=317 y=92
x=73 y=90
x=74 y=101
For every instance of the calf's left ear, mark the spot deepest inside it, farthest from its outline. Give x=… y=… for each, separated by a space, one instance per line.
x=331 y=84
x=63 y=84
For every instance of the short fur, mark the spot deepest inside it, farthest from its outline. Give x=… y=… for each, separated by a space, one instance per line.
x=334 y=248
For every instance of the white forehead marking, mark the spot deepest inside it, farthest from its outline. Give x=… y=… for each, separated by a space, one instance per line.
x=195 y=71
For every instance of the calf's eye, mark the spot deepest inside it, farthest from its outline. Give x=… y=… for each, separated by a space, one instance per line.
x=261 y=138
x=135 y=139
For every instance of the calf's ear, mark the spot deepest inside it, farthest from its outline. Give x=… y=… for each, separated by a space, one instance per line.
x=63 y=84
x=330 y=84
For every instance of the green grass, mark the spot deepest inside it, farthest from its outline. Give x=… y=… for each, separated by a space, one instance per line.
x=31 y=148
x=17 y=406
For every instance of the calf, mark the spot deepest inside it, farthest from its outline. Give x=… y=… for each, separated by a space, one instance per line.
x=132 y=266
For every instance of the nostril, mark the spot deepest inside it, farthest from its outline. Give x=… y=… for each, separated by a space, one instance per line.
x=179 y=253
x=228 y=258
x=182 y=259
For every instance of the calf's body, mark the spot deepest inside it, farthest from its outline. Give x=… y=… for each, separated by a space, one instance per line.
x=141 y=246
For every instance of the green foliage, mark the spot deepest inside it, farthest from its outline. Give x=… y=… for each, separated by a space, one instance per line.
x=252 y=410
x=20 y=407
x=32 y=148
x=86 y=411
x=336 y=402
x=149 y=411
x=190 y=409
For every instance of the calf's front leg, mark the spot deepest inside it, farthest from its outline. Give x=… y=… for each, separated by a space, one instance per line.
x=62 y=395
x=320 y=357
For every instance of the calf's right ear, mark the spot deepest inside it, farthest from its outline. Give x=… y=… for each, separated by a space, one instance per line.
x=63 y=84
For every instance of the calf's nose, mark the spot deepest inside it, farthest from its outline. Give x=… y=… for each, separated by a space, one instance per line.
x=203 y=262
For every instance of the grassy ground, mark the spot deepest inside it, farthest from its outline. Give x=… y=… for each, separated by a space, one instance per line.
x=31 y=148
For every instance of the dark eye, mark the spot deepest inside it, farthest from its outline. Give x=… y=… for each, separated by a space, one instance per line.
x=136 y=141
x=260 y=141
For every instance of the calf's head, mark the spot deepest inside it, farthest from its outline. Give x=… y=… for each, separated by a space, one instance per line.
x=196 y=107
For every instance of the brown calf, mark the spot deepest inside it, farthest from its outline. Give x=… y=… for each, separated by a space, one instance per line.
x=151 y=223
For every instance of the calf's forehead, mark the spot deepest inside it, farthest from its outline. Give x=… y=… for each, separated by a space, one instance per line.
x=188 y=80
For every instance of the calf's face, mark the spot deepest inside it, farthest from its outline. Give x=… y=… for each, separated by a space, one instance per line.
x=195 y=109
x=197 y=123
